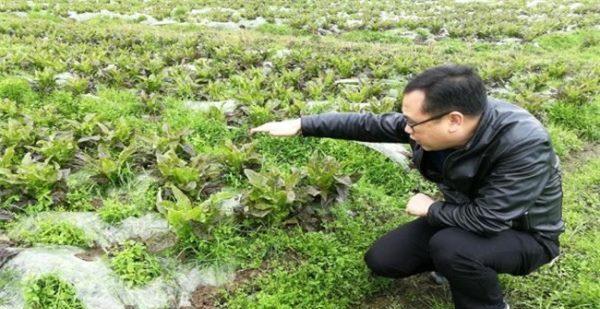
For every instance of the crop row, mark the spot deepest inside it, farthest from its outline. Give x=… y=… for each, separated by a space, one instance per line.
x=448 y=18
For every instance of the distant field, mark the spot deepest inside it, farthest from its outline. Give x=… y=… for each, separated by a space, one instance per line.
x=117 y=111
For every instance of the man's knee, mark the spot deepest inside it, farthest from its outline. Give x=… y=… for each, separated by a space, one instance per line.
x=381 y=265
x=448 y=253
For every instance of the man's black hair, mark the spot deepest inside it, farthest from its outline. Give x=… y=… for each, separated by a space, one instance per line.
x=450 y=88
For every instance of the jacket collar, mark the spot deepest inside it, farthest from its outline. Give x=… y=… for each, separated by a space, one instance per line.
x=482 y=127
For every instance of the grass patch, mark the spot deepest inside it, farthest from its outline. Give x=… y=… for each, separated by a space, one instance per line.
x=564 y=140
x=585 y=120
x=331 y=276
x=279 y=29
x=114 y=211
x=289 y=152
x=17 y=90
x=323 y=269
x=572 y=281
x=111 y=104
x=576 y=40
x=206 y=130
x=375 y=37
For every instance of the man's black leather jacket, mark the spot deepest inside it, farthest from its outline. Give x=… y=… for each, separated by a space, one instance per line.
x=507 y=176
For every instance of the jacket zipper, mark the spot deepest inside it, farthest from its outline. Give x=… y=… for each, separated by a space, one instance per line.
x=444 y=165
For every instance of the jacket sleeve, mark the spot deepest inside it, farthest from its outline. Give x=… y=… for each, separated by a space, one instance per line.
x=510 y=190
x=365 y=127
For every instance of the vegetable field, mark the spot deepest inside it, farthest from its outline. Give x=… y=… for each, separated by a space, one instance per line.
x=128 y=178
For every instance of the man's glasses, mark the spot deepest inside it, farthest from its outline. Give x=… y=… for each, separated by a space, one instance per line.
x=412 y=126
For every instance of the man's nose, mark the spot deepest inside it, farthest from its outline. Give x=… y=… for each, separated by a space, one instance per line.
x=407 y=129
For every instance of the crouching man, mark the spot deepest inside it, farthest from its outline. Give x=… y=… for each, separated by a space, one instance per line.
x=494 y=164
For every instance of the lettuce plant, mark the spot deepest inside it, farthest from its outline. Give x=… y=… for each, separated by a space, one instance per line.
x=239 y=158
x=200 y=170
x=45 y=80
x=18 y=132
x=119 y=133
x=326 y=180
x=30 y=180
x=184 y=216
x=272 y=194
x=109 y=166
x=58 y=147
x=34 y=176
x=166 y=139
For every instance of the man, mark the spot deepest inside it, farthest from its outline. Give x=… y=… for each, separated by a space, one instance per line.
x=495 y=166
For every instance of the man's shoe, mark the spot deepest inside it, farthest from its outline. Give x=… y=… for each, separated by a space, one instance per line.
x=437 y=278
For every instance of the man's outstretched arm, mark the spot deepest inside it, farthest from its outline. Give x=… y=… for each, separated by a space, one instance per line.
x=365 y=127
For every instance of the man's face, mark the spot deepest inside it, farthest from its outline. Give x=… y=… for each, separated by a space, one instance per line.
x=431 y=135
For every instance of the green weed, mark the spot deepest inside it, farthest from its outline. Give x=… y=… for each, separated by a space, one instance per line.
x=49 y=291
x=17 y=90
x=135 y=265
x=56 y=233
x=113 y=211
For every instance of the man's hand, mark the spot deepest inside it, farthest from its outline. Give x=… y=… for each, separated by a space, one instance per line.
x=419 y=204
x=288 y=127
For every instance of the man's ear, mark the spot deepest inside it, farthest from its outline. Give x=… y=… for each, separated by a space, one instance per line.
x=456 y=120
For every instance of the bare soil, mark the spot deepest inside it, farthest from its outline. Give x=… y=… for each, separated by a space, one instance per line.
x=590 y=151
x=413 y=292
x=207 y=297
x=91 y=254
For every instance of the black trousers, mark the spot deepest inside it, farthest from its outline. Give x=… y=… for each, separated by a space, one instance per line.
x=470 y=262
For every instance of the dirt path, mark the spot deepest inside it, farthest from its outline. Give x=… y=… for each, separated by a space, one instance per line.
x=590 y=151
